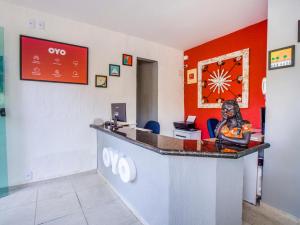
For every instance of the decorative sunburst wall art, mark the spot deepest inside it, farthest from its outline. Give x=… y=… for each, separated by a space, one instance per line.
x=222 y=78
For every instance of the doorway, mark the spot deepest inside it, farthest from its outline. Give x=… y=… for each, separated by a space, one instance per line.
x=147 y=91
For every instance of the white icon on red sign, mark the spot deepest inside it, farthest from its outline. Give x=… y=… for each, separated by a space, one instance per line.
x=75 y=63
x=56 y=73
x=36 y=71
x=57 y=61
x=36 y=59
x=75 y=74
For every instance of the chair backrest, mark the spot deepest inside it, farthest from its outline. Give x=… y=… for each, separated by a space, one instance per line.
x=153 y=125
x=211 y=126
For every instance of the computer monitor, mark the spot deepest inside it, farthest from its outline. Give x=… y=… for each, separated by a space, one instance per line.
x=263 y=119
x=119 y=110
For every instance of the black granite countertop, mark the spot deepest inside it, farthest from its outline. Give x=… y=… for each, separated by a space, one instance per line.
x=172 y=146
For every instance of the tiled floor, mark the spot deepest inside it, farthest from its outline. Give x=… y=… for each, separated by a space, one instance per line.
x=83 y=199
x=254 y=215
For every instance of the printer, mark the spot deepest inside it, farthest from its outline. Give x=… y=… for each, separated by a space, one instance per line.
x=189 y=124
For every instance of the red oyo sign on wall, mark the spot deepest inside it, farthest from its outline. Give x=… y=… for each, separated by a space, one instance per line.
x=44 y=60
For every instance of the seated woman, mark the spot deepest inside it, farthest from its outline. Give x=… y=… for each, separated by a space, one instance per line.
x=233 y=129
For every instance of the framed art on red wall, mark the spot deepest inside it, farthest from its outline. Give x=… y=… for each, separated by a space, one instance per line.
x=45 y=60
x=222 y=78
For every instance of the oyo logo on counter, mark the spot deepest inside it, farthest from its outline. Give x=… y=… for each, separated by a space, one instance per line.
x=120 y=164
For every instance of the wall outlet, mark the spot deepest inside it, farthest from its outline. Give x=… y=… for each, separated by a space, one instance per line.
x=31 y=23
x=41 y=25
x=29 y=176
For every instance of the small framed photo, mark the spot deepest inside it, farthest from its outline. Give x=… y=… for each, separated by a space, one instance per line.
x=101 y=81
x=127 y=60
x=282 y=58
x=114 y=70
x=191 y=76
x=298 y=30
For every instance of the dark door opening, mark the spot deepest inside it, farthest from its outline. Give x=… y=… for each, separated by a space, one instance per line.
x=147 y=91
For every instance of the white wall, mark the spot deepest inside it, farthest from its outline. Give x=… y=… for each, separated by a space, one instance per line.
x=281 y=182
x=48 y=123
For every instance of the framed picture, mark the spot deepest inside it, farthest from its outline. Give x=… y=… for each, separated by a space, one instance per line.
x=114 y=70
x=101 y=81
x=282 y=57
x=298 y=30
x=222 y=78
x=52 y=61
x=127 y=60
x=191 y=76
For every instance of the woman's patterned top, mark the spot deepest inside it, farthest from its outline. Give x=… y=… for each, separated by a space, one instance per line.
x=236 y=132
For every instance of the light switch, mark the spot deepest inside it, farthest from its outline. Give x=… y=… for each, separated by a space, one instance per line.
x=31 y=23
x=41 y=25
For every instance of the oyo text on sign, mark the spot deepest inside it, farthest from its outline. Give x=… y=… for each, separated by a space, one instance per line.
x=120 y=164
x=57 y=51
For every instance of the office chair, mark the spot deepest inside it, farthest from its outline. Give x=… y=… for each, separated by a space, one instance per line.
x=211 y=126
x=153 y=125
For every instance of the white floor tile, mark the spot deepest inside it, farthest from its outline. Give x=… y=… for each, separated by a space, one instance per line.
x=21 y=215
x=96 y=196
x=114 y=213
x=17 y=198
x=74 y=219
x=48 y=210
x=82 y=182
x=54 y=189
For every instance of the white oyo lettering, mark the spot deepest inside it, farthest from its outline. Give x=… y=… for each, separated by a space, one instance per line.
x=126 y=169
x=51 y=50
x=120 y=164
x=106 y=157
x=57 y=51
x=114 y=159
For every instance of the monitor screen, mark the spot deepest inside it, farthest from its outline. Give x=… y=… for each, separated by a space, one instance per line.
x=263 y=119
x=118 y=110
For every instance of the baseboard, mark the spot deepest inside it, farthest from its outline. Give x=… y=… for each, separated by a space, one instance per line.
x=30 y=184
x=46 y=178
x=286 y=217
x=132 y=209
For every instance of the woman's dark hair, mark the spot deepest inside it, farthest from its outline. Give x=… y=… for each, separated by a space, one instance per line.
x=238 y=115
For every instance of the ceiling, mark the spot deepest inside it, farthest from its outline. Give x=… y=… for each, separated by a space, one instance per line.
x=181 y=24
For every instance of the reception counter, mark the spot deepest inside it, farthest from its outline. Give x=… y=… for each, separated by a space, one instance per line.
x=168 y=181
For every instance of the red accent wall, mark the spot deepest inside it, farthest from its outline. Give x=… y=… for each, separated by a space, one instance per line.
x=253 y=37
